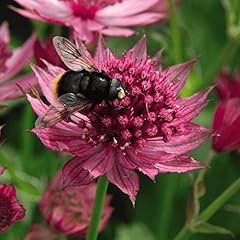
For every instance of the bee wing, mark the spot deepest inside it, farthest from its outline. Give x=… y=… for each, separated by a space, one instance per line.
x=54 y=115
x=73 y=57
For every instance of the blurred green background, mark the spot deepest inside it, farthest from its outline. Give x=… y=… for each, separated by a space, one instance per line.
x=160 y=210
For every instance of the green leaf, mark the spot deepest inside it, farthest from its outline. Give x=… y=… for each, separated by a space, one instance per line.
x=235 y=208
x=135 y=231
x=25 y=186
x=204 y=227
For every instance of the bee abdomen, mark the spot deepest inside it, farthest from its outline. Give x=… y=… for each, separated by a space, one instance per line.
x=69 y=82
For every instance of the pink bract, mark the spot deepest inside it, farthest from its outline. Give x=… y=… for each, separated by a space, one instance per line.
x=11 y=62
x=88 y=18
x=228 y=86
x=226 y=126
x=68 y=211
x=150 y=130
x=45 y=50
x=10 y=210
x=39 y=232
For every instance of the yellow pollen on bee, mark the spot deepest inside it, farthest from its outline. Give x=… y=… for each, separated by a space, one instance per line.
x=55 y=84
x=121 y=93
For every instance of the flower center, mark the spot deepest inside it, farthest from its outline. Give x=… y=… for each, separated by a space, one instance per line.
x=4 y=55
x=86 y=9
x=5 y=212
x=148 y=111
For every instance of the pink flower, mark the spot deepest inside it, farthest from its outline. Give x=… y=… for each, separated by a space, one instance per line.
x=227 y=85
x=226 y=126
x=87 y=18
x=150 y=130
x=227 y=115
x=40 y=232
x=45 y=50
x=68 y=211
x=11 y=62
x=10 y=210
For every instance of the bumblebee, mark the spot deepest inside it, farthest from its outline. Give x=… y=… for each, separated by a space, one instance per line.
x=83 y=85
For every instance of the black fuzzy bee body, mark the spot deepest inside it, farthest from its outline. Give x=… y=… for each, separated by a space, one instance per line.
x=92 y=86
x=82 y=86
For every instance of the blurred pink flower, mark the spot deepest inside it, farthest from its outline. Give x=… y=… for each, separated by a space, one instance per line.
x=40 y=232
x=68 y=211
x=226 y=124
x=45 y=50
x=10 y=210
x=150 y=130
x=226 y=119
x=13 y=61
x=227 y=85
x=87 y=18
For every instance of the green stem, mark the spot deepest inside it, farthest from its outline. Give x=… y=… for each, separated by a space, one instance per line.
x=27 y=140
x=175 y=31
x=102 y=185
x=202 y=173
x=165 y=210
x=218 y=203
x=211 y=209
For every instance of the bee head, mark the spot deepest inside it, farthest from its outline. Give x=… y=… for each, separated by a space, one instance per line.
x=116 y=90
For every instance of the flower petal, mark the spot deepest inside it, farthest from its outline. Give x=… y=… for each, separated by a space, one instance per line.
x=190 y=107
x=125 y=8
x=178 y=74
x=51 y=10
x=138 y=52
x=11 y=210
x=100 y=161
x=124 y=179
x=179 y=164
x=40 y=232
x=20 y=56
x=226 y=123
x=180 y=143
x=11 y=91
x=4 y=33
x=62 y=140
x=46 y=80
x=117 y=31
x=73 y=174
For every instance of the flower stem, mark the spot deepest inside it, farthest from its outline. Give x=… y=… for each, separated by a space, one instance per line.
x=165 y=211
x=217 y=203
x=102 y=185
x=211 y=209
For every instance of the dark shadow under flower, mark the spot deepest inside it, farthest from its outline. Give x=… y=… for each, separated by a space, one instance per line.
x=150 y=130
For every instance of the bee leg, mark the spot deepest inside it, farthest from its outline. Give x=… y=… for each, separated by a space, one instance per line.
x=109 y=104
x=91 y=109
